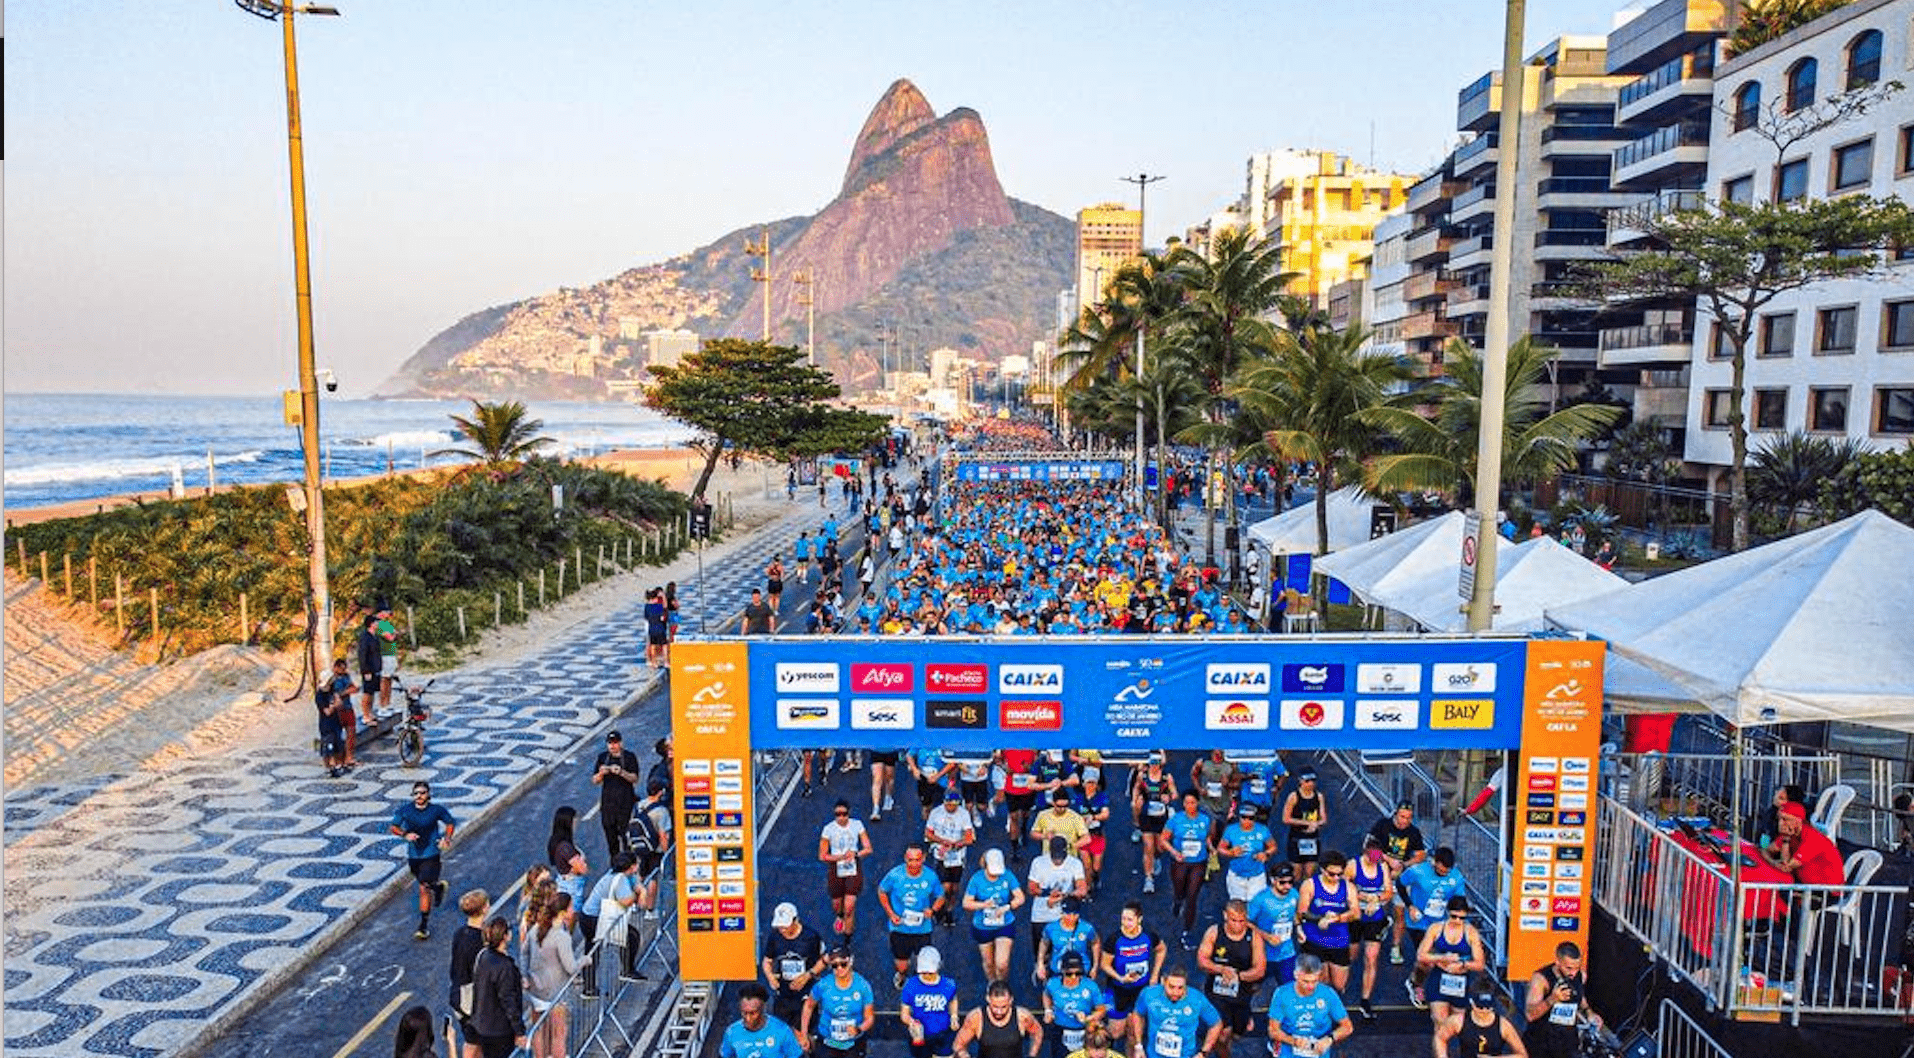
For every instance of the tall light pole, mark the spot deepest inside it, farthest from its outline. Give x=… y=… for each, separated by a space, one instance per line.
x=762 y=249
x=319 y=615
x=1142 y=182
x=808 y=298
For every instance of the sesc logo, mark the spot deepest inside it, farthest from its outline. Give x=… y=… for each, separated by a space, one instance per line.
x=1312 y=679
x=806 y=678
x=1030 y=716
x=1311 y=714
x=866 y=679
x=1388 y=679
x=1029 y=679
x=882 y=714
x=1236 y=714
x=1472 y=679
x=957 y=679
x=1236 y=679
x=807 y=713
x=1388 y=714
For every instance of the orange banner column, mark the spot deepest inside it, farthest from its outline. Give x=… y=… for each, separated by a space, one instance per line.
x=711 y=744
x=1553 y=798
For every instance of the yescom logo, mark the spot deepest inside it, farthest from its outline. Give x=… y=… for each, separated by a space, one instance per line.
x=807 y=678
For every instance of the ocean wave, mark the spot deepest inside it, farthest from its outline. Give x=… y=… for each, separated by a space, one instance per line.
x=400 y=439
x=118 y=469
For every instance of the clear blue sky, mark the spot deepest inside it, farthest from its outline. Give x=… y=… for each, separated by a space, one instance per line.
x=465 y=154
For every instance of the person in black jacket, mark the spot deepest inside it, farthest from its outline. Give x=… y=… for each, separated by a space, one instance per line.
x=467 y=945
x=498 y=1002
x=366 y=648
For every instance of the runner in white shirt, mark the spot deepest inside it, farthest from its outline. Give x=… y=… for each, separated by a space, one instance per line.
x=843 y=842
x=948 y=832
x=1052 y=878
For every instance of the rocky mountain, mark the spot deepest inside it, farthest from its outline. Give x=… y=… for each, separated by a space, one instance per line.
x=921 y=243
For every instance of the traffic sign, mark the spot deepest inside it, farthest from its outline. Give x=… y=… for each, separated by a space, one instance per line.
x=1471 y=537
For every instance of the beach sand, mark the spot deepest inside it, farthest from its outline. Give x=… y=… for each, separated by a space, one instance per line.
x=78 y=710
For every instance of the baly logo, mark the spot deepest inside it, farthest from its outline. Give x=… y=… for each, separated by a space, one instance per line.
x=1030 y=716
x=1236 y=679
x=697 y=819
x=1236 y=714
x=883 y=714
x=965 y=715
x=1475 y=678
x=1312 y=678
x=1029 y=679
x=885 y=678
x=806 y=678
x=957 y=679
x=1312 y=714
x=1388 y=714
x=1471 y=713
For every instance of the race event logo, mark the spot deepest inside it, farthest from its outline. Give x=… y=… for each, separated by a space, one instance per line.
x=1312 y=714
x=1236 y=714
x=1030 y=716
x=1470 y=713
x=881 y=678
x=1312 y=679
x=1472 y=678
x=1029 y=679
x=1388 y=679
x=1236 y=679
x=956 y=679
x=807 y=713
x=960 y=715
x=806 y=678
x=1388 y=714
x=1135 y=692
x=882 y=714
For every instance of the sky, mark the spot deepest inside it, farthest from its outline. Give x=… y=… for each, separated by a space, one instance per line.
x=465 y=154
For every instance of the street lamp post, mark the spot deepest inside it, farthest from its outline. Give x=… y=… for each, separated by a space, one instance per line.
x=1142 y=182
x=319 y=615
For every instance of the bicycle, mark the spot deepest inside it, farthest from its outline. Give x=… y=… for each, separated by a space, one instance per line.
x=410 y=730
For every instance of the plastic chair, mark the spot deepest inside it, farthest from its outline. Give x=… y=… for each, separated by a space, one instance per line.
x=1829 y=807
x=1858 y=871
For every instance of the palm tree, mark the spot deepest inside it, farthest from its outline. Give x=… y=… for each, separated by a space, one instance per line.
x=498 y=433
x=1787 y=471
x=1439 y=452
x=1316 y=392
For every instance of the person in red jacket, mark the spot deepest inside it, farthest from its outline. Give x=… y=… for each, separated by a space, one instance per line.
x=1804 y=851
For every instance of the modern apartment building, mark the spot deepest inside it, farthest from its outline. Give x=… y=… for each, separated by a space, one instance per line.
x=1383 y=307
x=1107 y=236
x=1324 y=218
x=1424 y=327
x=1835 y=359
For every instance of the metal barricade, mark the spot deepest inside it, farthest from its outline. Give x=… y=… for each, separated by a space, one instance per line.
x=1838 y=952
x=1679 y=1036
x=1670 y=898
x=1702 y=784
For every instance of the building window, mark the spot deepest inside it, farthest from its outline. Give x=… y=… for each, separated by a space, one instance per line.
x=1720 y=345
x=1791 y=181
x=1834 y=330
x=1715 y=409
x=1801 y=84
x=1747 y=105
x=1897 y=325
x=1864 y=59
x=1740 y=189
x=1853 y=166
x=1894 y=410
x=1905 y=164
x=1771 y=409
x=1828 y=409
x=1777 y=334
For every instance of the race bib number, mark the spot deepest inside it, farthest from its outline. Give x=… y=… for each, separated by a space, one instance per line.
x=1370 y=903
x=1169 y=1043
x=912 y=918
x=1156 y=808
x=995 y=916
x=1562 y=1014
x=1258 y=785
x=1454 y=984
x=1072 y=1039
x=1435 y=907
x=791 y=968
x=1283 y=929
x=1212 y=790
x=953 y=857
x=843 y=1030
x=846 y=868
x=1225 y=986
x=1306 y=846
x=1192 y=848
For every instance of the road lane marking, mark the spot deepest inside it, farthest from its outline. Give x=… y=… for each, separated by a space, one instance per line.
x=372 y=1026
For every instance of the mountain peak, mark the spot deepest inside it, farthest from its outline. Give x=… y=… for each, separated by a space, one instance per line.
x=902 y=111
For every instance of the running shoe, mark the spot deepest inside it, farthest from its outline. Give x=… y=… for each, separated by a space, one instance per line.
x=890 y=804
x=1368 y=1011
x=1415 y=995
x=1149 y=884
x=897 y=980
x=421 y=933
x=439 y=890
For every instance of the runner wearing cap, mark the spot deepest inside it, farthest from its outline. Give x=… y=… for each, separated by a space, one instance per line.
x=840 y=1011
x=1273 y=913
x=928 y=1008
x=1091 y=802
x=1306 y=815
x=1481 y=1029
x=843 y=842
x=1072 y=1004
x=793 y=960
x=1261 y=778
x=992 y=896
x=1249 y=847
x=1053 y=877
x=948 y=832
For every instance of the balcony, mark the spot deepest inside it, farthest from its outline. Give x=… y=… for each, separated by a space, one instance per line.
x=1672 y=148
x=1664 y=31
x=1625 y=222
x=1680 y=81
x=1477 y=154
x=1470 y=253
x=1428 y=324
x=1469 y=300
x=1479 y=105
x=1424 y=285
x=1662 y=405
x=1432 y=189
x=1647 y=343
x=1579 y=192
x=1571 y=244
x=1558 y=295
x=1475 y=202
x=1578 y=140
x=1427 y=243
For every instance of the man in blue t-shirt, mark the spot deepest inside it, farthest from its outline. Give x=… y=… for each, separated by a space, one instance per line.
x=756 y=1034
x=1068 y=935
x=1305 y=1019
x=1071 y=1004
x=1273 y=913
x=1174 y=1021
x=842 y=1007
x=418 y=823
x=1426 y=888
x=928 y=1007
x=911 y=896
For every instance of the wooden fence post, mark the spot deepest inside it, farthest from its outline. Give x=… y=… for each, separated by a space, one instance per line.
x=43 y=569
x=20 y=543
x=66 y=562
x=601 y=562
x=521 y=598
x=412 y=626
x=461 y=624
x=245 y=625
x=119 y=603
x=561 y=578
x=541 y=587
x=93 y=580
x=153 y=601
x=498 y=608
x=578 y=552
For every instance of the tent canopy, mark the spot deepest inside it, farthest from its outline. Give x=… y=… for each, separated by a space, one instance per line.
x=1293 y=532
x=1529 y=577
x=1374 y=569
x=1811 y=628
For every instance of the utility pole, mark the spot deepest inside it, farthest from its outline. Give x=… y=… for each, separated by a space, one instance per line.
x=807 y=297
x=762 y=249
x=1142 y=182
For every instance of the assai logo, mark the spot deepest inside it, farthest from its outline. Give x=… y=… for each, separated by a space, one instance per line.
x=1312 y=679
x=1030 y=716
x=1236 y=714
x=1388 y=714
x=1236 y=679
x=882 y=714
x=807 y=712
x=1389 y=679
x=957 y=679
x=1312 y=714
x=1473 y=713
x=1029 y=679
x=1476 y=678
x=958 y=714
x=806 y=678
x=882 y=678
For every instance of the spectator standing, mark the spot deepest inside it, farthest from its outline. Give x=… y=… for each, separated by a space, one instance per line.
x=467 y=943
x=1557 y=999
x=413 y=1039
x=388 y=634
x=615 y=773
x=332 y=733
x=657 y=630
x=366 y=649
x=550 y=968
x=651 y=837
x=340 y=684
x=562 y=852
x=418 y=823
x=498 y=1015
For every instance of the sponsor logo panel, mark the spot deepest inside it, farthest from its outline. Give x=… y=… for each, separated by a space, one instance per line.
x=1236 y=714
x=806 y=677
x=883 y=714
x=1389 y=679
x=1030 y=716
x=1475 y=714
x=956 y=679
x=1476 y=678
x=956 y=714
x=1388 y=714
x=885 y=678
x=807 y=713
x=1310 y=678
x=1029 y=679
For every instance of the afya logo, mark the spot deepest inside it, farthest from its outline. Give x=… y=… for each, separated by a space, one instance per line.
x=1236 y=714
x=1477 y=677
x=1029 y=679
x=1236 y=679
x=957 y=679
x=807 y=678
x=867 y=678
x=1312 y=679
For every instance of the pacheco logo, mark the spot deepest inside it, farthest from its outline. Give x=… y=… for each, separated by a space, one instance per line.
x=1478 y=677
x=807 y=713
x=1030 y=716
x=1029 y=679
x=956 y=679
x=1312 y=714
x=807 y=677
x=1241 y=679
x=1236 y=714
x=881 y=677
x=1312 y=678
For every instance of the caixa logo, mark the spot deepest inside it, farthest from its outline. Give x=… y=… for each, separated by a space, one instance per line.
x=1472 y=677
x=1246 y=680
x=1029 y=679
x=807 y=678
x=885 y=677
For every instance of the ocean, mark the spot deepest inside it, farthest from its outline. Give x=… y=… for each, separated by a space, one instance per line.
x=66 y=447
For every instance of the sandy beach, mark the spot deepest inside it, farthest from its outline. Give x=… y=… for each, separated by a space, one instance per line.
x=78 y=710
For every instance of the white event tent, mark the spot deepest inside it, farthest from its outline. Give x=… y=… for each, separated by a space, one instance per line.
x=1293 y=532
x=1529 y=577
x=1379 y=567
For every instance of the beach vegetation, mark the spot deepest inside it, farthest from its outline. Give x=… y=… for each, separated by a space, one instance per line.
x=500 y=432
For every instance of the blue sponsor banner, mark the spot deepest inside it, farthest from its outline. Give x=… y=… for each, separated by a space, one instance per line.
x=1136 y=693
x=1041 y=470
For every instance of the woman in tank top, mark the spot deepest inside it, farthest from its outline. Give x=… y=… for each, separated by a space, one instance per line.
x=999 y=1028
x=1451 y=952
x=1325 y=905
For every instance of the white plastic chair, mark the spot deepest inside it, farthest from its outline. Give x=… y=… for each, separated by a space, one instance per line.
x=1858 y=871
x=1829 y=807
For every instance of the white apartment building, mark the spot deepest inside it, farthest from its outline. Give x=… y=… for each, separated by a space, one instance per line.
x=1836 y=359
x=1384 y=306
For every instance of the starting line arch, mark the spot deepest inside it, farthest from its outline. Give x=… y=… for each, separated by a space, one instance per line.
x=1540 y=698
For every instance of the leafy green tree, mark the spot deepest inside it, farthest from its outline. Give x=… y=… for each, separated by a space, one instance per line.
x=498 y=433
x=1439 y=450
x=1640 y=452
x=1880 y=480
x=754 y=397
x=1788 y=470
x=1761 y=21
x=1315 y=392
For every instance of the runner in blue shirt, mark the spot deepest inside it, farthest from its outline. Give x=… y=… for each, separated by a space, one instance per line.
x=1071 y=1003
x=1174 y=1021
x=1186 y=840
x=993 y=896
x=418 y=823
x=755 y=1034
x=1273 y=913
x=1131 y=961
x=842 y=1007
x=1261 y=780
x=1306 y=1019
x=1250 y=847
x=801 y=552
x=1426 y=888
x=911 y=896
x=928 y=1007
x=1068 y=934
